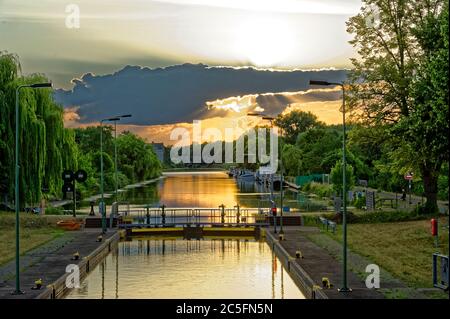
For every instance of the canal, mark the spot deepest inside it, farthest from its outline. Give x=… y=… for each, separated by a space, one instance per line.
x=207 y=189
x=164 y=267
x=178 y=268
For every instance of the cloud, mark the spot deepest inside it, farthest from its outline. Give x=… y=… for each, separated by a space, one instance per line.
x=181 y=93
x=290 y=6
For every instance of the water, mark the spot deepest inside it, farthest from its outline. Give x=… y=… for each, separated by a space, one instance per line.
x=178 y=268
x=204 y=189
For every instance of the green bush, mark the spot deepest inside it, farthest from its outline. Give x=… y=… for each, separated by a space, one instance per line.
x=54 y=210
x=322 y=190
x=360 y=202
x=309 y=220
x=337 y=218
x=312 y=206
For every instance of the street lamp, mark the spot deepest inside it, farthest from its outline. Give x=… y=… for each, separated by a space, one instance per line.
x=271 y=119
x=112 y=119
x=344 y=287
x=102 y=202
x=17 y=168
x=117 y=118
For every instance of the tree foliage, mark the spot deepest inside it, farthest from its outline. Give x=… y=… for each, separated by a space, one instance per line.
x=337 y=177
x=46 y=147
x=296 y=122
x=399 y=83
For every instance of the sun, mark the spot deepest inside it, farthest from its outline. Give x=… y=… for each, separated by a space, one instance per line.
x=265 y=42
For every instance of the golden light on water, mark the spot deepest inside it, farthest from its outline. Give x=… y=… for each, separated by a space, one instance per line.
x=198 y=190
x=176 y=268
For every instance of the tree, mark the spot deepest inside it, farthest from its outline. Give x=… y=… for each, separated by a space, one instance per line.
x=88 y=139
x=137 y=160
x=296 y=122
x=292 y=160
x=317 y=145
x=400 y=55
x=337 y=177
x=46 y=147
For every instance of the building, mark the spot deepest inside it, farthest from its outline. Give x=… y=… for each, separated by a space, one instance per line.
x=158 y=148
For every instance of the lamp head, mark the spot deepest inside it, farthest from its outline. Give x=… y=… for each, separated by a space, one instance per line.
x=41 y=85
x=314 y=82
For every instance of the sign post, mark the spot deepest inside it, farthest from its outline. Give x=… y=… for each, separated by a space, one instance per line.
x=70 y=178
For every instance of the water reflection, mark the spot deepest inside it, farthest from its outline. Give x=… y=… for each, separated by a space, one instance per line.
x=203 y=189
x=176 y=268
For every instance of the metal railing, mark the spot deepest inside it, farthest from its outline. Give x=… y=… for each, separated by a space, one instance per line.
x=164 y=216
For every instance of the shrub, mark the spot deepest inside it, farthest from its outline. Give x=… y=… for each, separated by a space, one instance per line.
x=322 y=190
x=360 y=202
x=309 y=220
x=312 y=206
x=54 y=210
x=337 y=218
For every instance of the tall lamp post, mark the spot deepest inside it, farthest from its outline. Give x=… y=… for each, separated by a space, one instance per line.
x=115 y=119
x=102 y=201
x=271 y=119
x=111 y=119
x=17 y=172
x=344 y=287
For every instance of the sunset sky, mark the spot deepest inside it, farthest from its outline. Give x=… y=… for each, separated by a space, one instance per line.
x=280 y=35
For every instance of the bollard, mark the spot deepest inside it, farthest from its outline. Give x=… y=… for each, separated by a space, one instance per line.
x=76 y=256
x=37 y=284
x=326 y=283
x=298 y=254
x=434 y=231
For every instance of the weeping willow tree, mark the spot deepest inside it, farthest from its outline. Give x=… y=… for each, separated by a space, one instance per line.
x=46 y=147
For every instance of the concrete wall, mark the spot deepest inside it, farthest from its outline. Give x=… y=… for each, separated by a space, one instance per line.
x=58 y=289
x=297 y=273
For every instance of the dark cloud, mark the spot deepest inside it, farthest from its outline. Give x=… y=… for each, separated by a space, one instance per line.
x=274 y=104
x=179 y=93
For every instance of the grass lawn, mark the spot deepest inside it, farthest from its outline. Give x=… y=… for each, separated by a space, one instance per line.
x=34 y=232
x=404 y=248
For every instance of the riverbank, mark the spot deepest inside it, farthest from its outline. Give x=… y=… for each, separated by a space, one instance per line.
x=404 y=259
x=60 y=203
x=316 y=263
x=49 y=261
x=403 y=251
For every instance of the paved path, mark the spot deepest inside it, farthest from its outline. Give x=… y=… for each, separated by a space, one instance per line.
x=47 y=262
x=318 y=263
x=415 y=200
x=59 y=203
